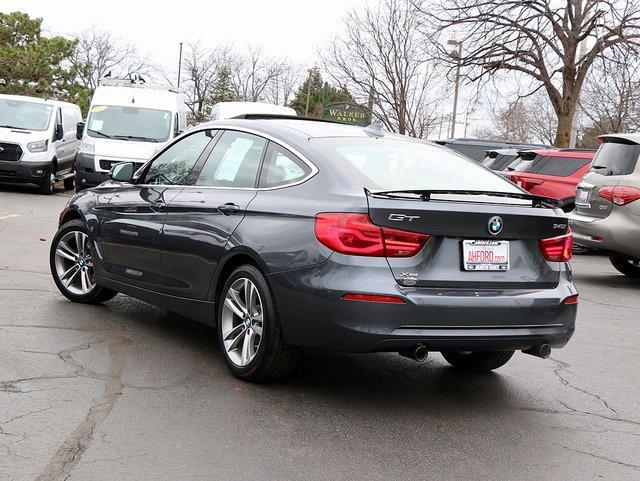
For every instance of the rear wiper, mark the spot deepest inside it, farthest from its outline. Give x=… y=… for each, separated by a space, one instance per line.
x=426 y=195
x=101 y=134
x=135 y=137
x=600 y=167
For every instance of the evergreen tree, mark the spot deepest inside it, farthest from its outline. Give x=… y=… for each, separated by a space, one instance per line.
x=322 y=93
x=31 y=64
x=223 y=90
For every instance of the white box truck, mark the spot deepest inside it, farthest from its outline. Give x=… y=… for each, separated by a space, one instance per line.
x=38 y=142
x=128 y=122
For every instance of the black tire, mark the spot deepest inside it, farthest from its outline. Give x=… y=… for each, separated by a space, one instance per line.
x=274 y=358
x=70 y=183
x=99 y=293
x=47 y=186
x=79 y=187
x=628 y=267
x=477 y=361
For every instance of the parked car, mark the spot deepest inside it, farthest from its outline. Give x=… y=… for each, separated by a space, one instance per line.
x=128 y=122
x=38 y=142
x=287 y=232
x=551 y=173
x=499 y=159
x=476 y=148
x=607 y=215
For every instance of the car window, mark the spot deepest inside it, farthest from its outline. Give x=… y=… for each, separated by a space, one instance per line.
x=558 y=166
x=68 y=121
x=616 y=158
x=172 y=167
x=234 y=161
x=281 y=167
x=399 y=164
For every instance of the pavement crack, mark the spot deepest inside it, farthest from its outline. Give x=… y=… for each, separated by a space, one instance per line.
x=602 y=416
x=597 y=456
x=70 y=452
x=562 y=367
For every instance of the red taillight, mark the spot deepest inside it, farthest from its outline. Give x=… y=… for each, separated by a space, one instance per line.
x=373 y=298
x=571 y=300
x=355 y=234
x=619 y=195
x=557 y=249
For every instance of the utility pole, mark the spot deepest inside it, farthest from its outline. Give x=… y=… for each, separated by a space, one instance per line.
x=458 y=55
x=306 y=109
x=574 y=122
x=179 y=64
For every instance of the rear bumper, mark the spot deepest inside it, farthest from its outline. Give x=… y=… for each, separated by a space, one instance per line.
x=24 y=172
x=313 y=313
x=618 y=233
x=86 y=175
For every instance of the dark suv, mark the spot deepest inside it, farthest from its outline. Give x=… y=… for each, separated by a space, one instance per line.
x=288 y=232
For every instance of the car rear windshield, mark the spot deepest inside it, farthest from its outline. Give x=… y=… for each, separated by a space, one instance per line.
x=556 y=166
x=398 y=164
x=501 y=161
x=616 y=158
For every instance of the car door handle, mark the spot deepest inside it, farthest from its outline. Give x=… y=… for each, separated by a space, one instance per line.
x=229 y=208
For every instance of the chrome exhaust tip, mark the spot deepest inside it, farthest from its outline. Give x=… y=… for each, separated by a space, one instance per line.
x=418 y=353
x=543 y=351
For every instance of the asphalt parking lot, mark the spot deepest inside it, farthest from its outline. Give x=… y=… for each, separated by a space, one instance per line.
x=128 y=391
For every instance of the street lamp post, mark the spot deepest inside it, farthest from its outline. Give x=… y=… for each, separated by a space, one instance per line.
x=458 y=55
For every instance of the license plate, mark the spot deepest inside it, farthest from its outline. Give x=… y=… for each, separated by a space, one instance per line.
x=582 y=197
x=485 y=255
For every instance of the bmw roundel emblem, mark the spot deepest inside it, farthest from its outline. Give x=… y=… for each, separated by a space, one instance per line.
x=495 y=225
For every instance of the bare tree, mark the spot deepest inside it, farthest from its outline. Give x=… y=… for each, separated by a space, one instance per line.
x=382 y=58
x=98 y=53
x=611 y=96
x=539 y=39
x=282 y=87
x=253 y=73
x=201 y=66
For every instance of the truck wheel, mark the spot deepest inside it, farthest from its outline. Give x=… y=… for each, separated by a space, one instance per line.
x=47 y=186
x=628 y=267
x=70 y=182
x=475 y=361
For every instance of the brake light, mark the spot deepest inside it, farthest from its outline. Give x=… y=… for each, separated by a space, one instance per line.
x=355 y=234
x=373 y=298
x=557 y=249
x=571 y=300
x=619 y=195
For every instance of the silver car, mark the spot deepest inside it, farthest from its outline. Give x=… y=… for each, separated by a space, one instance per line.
x=607 y=214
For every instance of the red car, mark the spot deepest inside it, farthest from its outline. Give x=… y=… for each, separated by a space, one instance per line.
x=551 y=173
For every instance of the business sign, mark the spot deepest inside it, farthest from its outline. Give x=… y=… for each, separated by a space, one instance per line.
x=347 y=112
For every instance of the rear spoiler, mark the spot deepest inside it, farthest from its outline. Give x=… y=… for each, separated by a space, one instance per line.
x=425 y=195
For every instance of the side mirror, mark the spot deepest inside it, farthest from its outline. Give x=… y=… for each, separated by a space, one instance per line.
x=59 y=134
x=122 y=172
x=79 y=130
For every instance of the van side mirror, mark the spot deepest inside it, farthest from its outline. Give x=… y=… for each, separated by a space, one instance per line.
x=79 y=130
x=59 y=133
x=122 y=172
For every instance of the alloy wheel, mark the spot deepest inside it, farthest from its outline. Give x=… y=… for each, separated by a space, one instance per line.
x=242 y=321
x=74 y=264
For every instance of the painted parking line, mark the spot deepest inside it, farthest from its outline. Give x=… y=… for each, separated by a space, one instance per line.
x=8 y=216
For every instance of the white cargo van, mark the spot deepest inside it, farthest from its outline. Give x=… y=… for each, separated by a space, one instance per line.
x=38 y=142
x=229 y=110
x=127 y=122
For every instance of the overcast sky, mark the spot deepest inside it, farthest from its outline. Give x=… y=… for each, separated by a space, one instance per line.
x=283 y=28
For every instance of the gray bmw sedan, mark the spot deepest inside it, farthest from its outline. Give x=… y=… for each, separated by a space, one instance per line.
x=286 y=232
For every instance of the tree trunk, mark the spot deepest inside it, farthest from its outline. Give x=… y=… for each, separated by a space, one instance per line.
x=563 y=133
